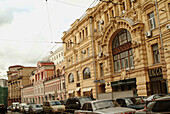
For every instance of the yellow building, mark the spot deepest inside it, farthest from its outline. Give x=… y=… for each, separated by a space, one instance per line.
x=18 y=76
x=119 y=48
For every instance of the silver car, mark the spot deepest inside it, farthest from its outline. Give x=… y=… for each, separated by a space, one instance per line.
x=103 y=107
x=158 y=106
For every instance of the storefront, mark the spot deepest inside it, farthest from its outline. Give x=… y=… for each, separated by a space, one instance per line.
x=157 y=84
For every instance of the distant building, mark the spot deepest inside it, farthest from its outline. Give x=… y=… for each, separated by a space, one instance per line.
x=18 y=76
x=3 y=92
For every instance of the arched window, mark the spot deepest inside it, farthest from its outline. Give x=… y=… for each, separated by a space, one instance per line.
x=86 y=73
x=70 y=78
x=122 y=51
x=58 y=72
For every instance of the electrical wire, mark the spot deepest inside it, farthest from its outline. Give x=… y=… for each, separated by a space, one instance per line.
x=70 y=4
x=49 y=22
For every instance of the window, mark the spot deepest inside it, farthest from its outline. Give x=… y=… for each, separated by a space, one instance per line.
x=122 y=51
x=86 y=73
x=156 y=55
x=78 y=77
x=76 y=58
x=101 y=69
x=75 y=40
x=107 y=17
x=88 y=53
x=71 y=78
x=81 y=54
x=86 y=30
x=152 y=23
x=83 y=34
x=98 y=25
x=112 y=13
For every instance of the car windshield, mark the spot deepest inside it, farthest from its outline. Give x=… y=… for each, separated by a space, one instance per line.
x=103 y=104
x=37 y=106
x=85 y=99
x=137 y=100
x=52 y=103
x=115 y=104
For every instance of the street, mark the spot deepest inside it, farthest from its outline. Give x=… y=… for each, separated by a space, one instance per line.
x=10 y=112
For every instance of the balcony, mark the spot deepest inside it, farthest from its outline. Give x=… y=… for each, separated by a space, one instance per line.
x=28 y=85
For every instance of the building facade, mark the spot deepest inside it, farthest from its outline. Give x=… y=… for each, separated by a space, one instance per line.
x=3 y=92
x=119 y=50
x=18 y=76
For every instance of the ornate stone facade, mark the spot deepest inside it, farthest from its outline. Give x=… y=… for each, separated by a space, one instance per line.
x=120 y=44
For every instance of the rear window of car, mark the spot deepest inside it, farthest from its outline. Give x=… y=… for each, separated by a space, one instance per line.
x=84 y=99
x=52 y=103
x=161 y=106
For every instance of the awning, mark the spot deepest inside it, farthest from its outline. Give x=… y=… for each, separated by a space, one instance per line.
x=70 y=91
x=124 y=82
x=77 y=89
x=86 y=89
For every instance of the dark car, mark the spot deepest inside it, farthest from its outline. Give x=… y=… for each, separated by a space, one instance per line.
x=132 y=102
x=3 y=110
x=158 y=106
x=63 y=102
x=75 y=103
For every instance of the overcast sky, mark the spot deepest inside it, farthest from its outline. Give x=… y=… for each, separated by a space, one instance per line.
x=27 y=28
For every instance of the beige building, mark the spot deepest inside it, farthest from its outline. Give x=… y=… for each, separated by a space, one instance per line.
x=17 y=76
x=119 y=50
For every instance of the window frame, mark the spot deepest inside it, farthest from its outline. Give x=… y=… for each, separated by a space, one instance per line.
x=152 y=22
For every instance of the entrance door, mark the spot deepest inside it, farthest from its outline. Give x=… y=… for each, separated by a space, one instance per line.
x=156 y=86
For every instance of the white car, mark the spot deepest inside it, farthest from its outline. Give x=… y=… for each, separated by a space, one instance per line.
x=103 y=107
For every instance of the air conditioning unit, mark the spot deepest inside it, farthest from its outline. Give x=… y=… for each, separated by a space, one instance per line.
x=168 y=26
x=133 y=0
x=123 y=11
x=100 y=54
x=148 y=34
x=101 y=22
x=84 y=51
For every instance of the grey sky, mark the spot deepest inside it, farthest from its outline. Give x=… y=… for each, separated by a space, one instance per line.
x=25 y=32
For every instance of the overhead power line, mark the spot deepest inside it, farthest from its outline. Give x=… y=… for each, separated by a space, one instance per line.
x=70 y=4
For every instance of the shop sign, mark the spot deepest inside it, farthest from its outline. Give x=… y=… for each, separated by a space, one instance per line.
x=155 y=72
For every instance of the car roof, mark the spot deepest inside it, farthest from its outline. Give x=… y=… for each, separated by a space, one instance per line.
x=129 y=97
x=98 y=101
x=163 y=98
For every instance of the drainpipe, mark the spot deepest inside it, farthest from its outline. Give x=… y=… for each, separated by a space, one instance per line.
x=94 y=63
x=162 y=47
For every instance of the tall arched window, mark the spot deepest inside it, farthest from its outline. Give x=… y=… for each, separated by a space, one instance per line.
x=86 y=73
x=70 y=78
x=122 y=51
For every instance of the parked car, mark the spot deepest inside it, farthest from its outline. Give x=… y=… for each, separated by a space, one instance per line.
x=3 y=110
x=131 y=102
x=103 y=107
x=63 y=102
x=9 y=107
x=15 y=106
x=75 y=103
x=35 y=109
x=158 y=106
x=25 y=109
x=153 y=97
x=21 y=106
x=53 y=107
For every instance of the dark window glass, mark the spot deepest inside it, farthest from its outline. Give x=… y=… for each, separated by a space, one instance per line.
x=86 y=73
x=71 y=78
x=101 y=69
x=161 y=106
x=124 y=58
x=156 y=55
x=152 y=23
